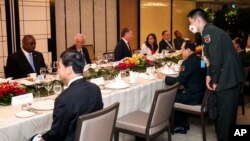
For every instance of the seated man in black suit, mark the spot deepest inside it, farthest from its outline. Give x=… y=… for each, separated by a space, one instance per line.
x=26 y=60
x=193 y=77
x=165 y=43
x=78 y=46
x=240 y=46
x=81 y=97
x=123 y=48
x=178 y=39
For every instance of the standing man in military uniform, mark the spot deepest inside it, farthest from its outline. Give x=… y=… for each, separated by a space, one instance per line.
x=224 y=73
x=193 y=77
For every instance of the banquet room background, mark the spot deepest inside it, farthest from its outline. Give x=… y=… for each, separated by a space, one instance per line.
x=55 y=22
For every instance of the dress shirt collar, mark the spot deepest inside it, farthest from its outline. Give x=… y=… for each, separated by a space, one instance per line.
x=125 y=40
x=166 y=41
x=74 y=79
x=26 y=53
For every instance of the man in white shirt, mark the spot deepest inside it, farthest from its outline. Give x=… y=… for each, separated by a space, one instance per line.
x=123 y=49
x=26 y=60
x=79 y=41
x=165 y=43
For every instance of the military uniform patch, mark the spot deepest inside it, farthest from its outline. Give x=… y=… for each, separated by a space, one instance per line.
x=207 y=38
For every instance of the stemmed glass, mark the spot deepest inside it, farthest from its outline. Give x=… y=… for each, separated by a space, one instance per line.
x=43 y=71
x=169 y=64
x=48 y=86
x=55 y=66
x=49 y=68
x=39 y=86
x=57 y=88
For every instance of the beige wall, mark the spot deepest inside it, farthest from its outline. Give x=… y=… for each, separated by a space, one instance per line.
x=155 y=17
x=129 y=19
x=94 y=15
x=3 y=38
x=180 y=20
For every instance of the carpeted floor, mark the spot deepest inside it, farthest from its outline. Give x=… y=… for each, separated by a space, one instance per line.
x=195 y=134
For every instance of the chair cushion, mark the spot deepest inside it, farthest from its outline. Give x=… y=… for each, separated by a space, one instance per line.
x=135 y=121
x=195 y=108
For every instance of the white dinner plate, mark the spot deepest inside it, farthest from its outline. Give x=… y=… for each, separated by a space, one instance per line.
x=43 y=105
x=117 y=85
x=25 y=114
x=106 y=91
x=167 y=72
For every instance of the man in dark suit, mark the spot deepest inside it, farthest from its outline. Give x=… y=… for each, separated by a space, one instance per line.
x=193 y=77
x=78 y=46
x=224 y=73
x=240 y=46
x=81 y=97
x=123 y=48
x=178 y=40
x=26 y=60
x=165 y=43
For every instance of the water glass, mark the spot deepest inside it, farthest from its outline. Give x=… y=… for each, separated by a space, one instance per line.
x=57 y=88
x=43 y=71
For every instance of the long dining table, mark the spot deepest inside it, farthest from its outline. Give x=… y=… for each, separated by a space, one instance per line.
x=137 y=96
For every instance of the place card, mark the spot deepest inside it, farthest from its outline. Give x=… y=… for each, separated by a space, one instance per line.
x=22 y=99
x=98 y=81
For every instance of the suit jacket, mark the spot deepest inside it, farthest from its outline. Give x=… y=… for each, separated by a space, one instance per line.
x=244 y=58
x=81 y=97
x=193 y=77
x=18 y=66
x=121 y=51
x=224 y=64
x=178 y=42
x=164 y=45
x=85 y=52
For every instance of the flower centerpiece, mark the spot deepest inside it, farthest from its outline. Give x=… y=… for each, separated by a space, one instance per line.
x=137 y=62
x=8 y=90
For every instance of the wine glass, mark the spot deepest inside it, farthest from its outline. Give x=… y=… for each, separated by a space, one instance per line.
x=169 y=64
x=39 y=86
x=49 y=67
x=55 y=66
x=57 y=88
x=48 y=86
x=43 y=71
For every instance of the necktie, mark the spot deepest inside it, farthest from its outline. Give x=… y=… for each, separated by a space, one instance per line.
x=128 y=46
x=83 y=56
x=169 y=45
x=31 y=61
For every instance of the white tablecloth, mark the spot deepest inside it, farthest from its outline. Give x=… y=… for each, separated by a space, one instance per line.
x=136 y=97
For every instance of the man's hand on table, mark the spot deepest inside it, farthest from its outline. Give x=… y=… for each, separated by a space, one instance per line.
x=160 y=75
x=38 y=137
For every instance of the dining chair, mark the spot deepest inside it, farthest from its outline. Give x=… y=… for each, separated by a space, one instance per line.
x=97 y=126
x=6 y=74
x=109 y=55
x=152 y=124
x=91 y=51
x=242 y=89
x=200 y=110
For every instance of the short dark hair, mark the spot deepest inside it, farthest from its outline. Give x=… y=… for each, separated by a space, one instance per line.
x=198 y=12
x=241 y=41
x=163 y=32
x=124 y=31
x=189 y=44
x=73 y=58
